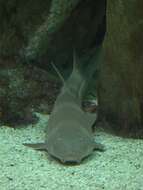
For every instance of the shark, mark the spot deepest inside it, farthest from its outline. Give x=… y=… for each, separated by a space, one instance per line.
x=69 y=136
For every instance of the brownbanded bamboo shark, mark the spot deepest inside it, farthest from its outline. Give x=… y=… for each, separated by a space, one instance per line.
x=69 y=135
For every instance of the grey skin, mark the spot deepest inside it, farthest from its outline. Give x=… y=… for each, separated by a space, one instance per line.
x=69 y=136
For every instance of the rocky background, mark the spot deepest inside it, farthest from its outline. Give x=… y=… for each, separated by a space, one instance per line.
x=32 y=36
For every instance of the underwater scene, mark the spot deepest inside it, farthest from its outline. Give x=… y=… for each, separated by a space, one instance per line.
x=71 y=95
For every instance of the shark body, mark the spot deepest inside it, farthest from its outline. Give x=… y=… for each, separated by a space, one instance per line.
x=69 y=135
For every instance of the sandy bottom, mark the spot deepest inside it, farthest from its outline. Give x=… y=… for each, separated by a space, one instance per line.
x=120 y=167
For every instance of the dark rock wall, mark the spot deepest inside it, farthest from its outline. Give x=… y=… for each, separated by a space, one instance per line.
x=121 y=90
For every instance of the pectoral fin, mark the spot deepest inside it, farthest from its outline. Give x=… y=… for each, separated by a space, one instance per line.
x=99 y=147
x=37 y=146
x=91 y=118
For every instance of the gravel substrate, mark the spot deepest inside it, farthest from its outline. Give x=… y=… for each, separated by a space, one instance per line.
x=120 y=167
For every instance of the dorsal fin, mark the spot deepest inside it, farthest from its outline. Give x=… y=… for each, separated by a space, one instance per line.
x=77 y=71
x=75 y=82
x=81 y=90
x=58 y=72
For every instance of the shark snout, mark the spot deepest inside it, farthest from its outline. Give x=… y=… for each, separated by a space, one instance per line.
x=70 y=159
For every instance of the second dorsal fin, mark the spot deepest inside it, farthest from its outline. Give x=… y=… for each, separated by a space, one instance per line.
x=58 y=72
